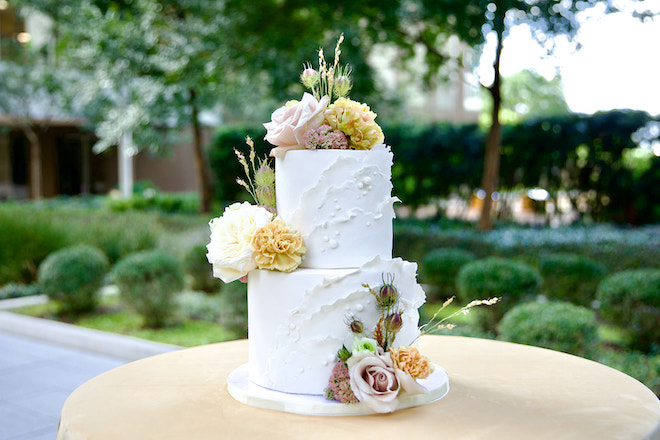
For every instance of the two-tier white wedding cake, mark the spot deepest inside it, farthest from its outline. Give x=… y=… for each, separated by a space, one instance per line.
x=331 y=315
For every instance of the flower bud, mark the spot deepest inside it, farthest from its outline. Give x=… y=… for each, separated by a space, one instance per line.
x=264 y=176
x=343 y=354
x=393 y=322
x=309 y=77
x=266 y=196
x=356 y=326
x=387 y=296
x=342 y=86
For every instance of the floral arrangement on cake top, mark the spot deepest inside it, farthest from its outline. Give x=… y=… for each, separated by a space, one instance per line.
x=374 y=371
x=248 y=237
x=325 y=118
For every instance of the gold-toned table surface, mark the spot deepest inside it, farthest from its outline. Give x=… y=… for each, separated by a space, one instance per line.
x=498 y=390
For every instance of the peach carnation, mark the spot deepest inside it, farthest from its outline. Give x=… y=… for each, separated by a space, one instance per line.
x=277 y=247
x=409 y=360
x=356 y=121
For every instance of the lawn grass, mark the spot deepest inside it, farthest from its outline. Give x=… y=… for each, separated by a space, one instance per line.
x=113 y=317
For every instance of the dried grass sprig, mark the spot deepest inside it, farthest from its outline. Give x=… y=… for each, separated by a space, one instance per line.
x=435 y=324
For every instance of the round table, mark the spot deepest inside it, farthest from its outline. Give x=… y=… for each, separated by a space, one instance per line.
x=498 y=390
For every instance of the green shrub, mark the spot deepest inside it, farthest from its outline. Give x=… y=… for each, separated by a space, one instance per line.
x=72 y=276
x=631 y=300
x=16 y=290
x=199 y=306
x=439 y=269
x=644 y=368
x=558 y=325
x=116 y=234
x=199 y=269
x=25 y=241
x=510 y=280
x=148 y=282
x=233 y=304
x=570 y=277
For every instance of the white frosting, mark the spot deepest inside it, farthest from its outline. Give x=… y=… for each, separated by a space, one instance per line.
x=341 y=203
x=298 y=321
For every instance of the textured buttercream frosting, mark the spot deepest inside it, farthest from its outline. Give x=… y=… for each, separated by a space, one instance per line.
x=298 y=321
x=341 y=203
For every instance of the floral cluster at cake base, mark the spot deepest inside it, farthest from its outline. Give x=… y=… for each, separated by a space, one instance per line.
x=372 y=371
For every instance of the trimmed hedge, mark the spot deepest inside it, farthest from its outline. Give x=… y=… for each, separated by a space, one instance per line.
x=631 y=300
x=72 y=277
x=508 y=279
x=558 y=326
x=439 y=269
x=200 y=271
x=148 y=282
x=570 y=277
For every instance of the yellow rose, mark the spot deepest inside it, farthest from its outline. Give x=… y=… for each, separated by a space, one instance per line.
x=356 y=121
x=277 y=248
x=409 y=360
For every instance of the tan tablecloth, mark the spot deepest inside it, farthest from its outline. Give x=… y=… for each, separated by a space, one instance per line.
x=498 y=390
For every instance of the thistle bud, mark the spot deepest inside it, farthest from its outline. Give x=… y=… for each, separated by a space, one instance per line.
x=266 y=196
x=342 y=86
x=393 y=322
x=309 y=77
x=264 y=176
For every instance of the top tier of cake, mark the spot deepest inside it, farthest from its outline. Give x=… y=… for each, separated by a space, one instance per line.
x=340 y=201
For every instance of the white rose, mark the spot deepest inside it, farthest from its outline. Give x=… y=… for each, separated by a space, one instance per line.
x=230 y=250
x=290 y=123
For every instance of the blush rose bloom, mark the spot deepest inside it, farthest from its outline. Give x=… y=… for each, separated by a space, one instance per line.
x=288 y=124
x=230 y=250
x=376 y=383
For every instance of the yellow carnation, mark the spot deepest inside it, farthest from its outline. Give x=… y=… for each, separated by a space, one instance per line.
x=356 y=121
x=277 y=248
x=409 y=360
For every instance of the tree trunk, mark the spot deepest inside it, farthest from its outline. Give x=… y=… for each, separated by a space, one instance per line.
x=493 y=144
x=203 y=174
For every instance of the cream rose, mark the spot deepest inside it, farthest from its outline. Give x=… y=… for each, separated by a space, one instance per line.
x=230 y=250
x=288 y=124
x=376 y=383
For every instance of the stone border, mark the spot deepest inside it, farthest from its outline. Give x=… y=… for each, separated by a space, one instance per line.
x=123 y=347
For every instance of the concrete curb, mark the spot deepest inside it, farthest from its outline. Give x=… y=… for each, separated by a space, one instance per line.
x=120 y=346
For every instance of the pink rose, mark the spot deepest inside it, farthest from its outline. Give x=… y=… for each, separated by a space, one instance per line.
x=376 y=383
x=290 y=123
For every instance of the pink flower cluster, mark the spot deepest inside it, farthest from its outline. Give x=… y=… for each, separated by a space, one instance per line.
x=325 y=138
x=339 y=386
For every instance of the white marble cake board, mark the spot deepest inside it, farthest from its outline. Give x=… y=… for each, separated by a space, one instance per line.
x=242 y=389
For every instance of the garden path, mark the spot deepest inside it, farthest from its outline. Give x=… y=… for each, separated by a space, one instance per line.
x=42 y=362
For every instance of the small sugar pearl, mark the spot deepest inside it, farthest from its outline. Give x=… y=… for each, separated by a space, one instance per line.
x=333 y=244
x=326 y=238
x=367 y=180
x=360 y=185
x=338 y=208
x=359 y=307
x=364 y=193
x=368 y=223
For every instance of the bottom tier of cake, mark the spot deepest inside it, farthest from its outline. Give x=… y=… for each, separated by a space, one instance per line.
x=299 y=321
